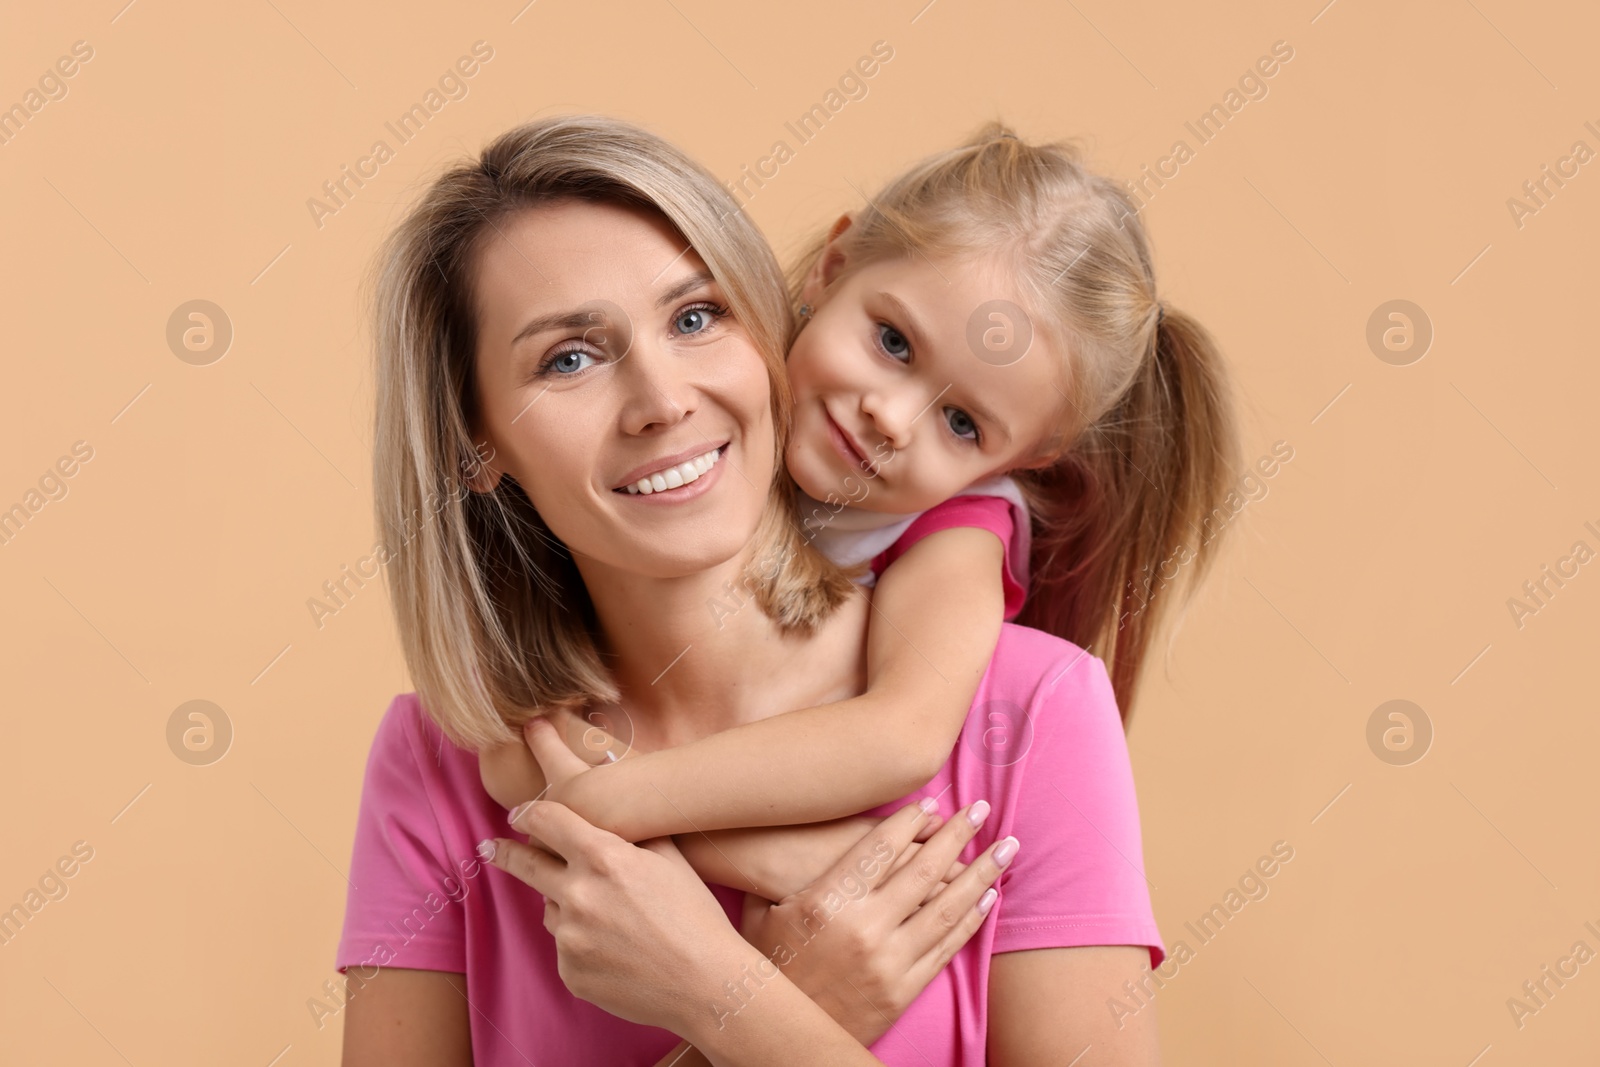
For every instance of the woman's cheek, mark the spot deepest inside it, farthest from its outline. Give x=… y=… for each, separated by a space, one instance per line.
x=554 y=470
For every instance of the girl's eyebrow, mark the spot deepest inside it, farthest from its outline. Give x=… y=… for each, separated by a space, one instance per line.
x=988 y=417
x=913 y=330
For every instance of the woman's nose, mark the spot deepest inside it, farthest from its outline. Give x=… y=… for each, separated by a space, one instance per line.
x=660 y=388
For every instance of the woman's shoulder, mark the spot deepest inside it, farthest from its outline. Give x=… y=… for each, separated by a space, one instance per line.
x=404 y=727
x=409 y=747
x=1029 y=663
x=1045 y=745
x=1042 y=699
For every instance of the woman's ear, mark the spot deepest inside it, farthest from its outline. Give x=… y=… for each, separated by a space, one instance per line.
x=480 y=473
x=828 y=264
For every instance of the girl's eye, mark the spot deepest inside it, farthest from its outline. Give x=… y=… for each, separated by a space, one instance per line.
x=961 y=424
x=695 y=319
x=893 y=342
x=569 y=362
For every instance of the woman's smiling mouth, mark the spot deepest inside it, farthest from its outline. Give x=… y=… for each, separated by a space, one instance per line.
x=671 y=474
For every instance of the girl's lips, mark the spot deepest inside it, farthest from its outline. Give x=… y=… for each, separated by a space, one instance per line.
x=845 y=445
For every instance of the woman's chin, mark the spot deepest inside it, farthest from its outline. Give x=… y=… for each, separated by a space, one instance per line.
x=655 y=563
x=683 y=549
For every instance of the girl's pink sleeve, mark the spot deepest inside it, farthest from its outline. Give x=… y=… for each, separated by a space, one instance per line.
x=991 y=513
x=402 y=907
x=1078 y=878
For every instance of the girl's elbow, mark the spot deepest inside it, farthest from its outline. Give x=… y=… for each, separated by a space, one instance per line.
x=921 y=760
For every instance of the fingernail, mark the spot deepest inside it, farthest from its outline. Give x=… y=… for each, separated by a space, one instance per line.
x=978 y=812
x=1006 y=849
x=986 y=901
x=611 y=757
x=486 y=850
x=517 y=811
x=928 y=805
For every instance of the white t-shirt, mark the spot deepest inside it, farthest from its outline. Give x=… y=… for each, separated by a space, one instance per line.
x=852 y=535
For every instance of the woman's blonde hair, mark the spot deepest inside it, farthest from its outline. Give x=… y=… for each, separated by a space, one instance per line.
x=1145 y=445
x=493 y=616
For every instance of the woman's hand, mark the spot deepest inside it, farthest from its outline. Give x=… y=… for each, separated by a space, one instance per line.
x=637 y=933
x=868 y=936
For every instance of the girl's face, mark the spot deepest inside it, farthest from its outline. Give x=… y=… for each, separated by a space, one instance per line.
x=913 y=379
x=607 y=363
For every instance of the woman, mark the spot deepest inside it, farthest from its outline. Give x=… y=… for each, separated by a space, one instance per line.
x=589 y=305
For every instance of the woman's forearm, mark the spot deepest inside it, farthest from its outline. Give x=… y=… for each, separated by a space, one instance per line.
x=760 y=1021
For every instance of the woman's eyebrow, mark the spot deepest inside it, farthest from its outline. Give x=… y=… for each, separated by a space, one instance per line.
x=590 y=315
x=557 y=320
x=684 y=287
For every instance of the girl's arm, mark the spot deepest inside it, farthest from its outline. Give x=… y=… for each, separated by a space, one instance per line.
x=936 y=618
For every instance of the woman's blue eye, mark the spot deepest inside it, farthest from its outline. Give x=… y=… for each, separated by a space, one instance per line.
x=893 y=341
x=569 y=362
x=692 y=320
x=961 y=423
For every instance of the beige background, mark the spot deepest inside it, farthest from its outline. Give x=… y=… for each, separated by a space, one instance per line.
x=219 y=498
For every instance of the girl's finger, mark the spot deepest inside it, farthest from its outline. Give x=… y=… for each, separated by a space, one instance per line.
x=948 y=909
x=556 y=760
x=590 y=735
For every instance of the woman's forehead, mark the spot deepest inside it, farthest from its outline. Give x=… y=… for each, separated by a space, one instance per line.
x=572 y=251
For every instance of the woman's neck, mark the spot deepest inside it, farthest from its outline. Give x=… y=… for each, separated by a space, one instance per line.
x=695 y=655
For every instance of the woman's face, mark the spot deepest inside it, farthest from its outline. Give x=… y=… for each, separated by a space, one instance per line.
x=618 y=390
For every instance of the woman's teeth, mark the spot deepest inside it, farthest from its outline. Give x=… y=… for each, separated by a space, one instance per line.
x=673 y=477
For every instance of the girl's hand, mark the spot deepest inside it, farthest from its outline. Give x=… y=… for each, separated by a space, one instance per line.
x=512 y=775
x=509 y=775
x=900 y=923
x=637 y=933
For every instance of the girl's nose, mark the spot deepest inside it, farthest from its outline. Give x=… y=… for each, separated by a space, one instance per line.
x=892 y=413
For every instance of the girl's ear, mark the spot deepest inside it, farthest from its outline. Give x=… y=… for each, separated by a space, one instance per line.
x=828 y=265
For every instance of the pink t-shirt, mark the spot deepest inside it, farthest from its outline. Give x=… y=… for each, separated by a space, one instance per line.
x=1043 y=744
x=993 y=513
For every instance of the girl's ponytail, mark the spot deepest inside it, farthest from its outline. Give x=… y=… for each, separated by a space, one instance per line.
x=1124 y=515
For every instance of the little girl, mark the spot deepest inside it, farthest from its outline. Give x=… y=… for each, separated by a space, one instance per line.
x=992 y=407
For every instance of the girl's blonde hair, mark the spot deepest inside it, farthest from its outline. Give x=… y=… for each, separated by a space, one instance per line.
x=493 y=616
x=1146 y=444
